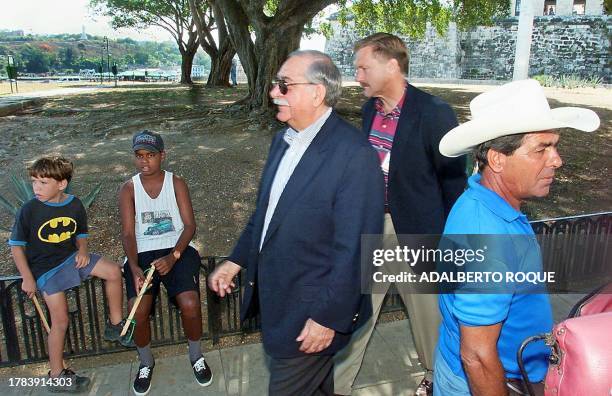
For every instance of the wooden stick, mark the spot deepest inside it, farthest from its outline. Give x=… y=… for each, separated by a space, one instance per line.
x=143 y=290
x=43 y=319
x=41 y=314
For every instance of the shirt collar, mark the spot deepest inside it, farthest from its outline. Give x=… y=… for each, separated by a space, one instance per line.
x=493 y=201
x=380 y=108
x=306 y=136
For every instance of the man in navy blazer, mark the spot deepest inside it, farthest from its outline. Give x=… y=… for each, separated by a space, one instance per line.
x=404 y=125
x=320 y=191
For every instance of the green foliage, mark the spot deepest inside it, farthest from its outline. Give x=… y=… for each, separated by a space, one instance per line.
x=568 y=81
x=72 y=55
x=36 y=60
x=410 y=17
x=326 y=30
x=171 y=15
x=22 y=190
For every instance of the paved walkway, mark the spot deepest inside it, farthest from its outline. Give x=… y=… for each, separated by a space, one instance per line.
x=390 y=368
x=12 y=103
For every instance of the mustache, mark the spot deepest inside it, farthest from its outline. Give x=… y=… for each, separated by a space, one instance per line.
x=280 y=102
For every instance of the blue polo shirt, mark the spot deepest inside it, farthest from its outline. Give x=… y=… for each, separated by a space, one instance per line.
x=481 y=211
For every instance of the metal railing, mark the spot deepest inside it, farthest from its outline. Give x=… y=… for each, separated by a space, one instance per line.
x=580 y=239
x=578 y=248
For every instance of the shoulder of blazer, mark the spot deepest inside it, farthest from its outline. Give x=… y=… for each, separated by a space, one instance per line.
x=423 y=101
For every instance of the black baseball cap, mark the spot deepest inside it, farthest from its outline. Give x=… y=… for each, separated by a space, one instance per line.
x=147 y=140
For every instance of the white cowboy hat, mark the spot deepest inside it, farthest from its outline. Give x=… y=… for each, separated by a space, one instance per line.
x=516 y=107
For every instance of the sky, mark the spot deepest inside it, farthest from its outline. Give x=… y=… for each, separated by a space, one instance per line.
x=69 y=16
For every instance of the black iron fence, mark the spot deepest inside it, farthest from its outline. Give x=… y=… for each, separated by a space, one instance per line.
x=22 y=338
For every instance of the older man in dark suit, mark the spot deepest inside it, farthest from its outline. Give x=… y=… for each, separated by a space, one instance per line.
x=321 y=189
x=404 y=125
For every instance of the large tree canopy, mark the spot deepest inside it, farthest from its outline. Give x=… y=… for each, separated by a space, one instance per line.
x=410 y=17
x=172 y=15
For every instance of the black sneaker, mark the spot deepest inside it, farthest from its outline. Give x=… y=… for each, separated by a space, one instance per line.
x=68 y=382
x=113 y=333
x=202 y=372
x=142 y=383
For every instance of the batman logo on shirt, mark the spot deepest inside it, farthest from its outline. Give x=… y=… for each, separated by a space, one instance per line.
x=57 y=230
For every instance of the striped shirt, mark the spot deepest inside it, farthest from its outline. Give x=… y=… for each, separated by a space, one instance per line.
x=382 y=133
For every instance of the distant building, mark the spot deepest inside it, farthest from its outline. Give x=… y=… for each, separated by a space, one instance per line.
x=562 y=7
x=87 y=73
x=83 y=34
x=198 y=71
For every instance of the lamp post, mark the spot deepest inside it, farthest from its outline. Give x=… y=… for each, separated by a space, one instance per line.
x=101 y=67
x=107 y=58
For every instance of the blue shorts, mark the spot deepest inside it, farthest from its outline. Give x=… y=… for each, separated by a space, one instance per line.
x=446 y=382
x=66 y=276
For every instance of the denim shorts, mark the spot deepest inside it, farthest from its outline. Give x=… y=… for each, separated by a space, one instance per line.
x=446 y=382
x=66 y=276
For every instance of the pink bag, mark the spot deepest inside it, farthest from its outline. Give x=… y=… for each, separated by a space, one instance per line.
x=582 y=351
x=581 y=357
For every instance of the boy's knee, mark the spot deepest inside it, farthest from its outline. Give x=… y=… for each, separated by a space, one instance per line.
x=142 y=315
x=114 y=274
x=59 y=322
x=190 y=307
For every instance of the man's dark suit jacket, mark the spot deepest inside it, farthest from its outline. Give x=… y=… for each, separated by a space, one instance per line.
x=423 y=184
x=309 y=264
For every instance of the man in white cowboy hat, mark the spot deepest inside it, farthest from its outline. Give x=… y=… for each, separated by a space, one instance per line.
x=514 y=140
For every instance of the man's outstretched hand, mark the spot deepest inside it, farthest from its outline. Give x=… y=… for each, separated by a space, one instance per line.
x=221 y=279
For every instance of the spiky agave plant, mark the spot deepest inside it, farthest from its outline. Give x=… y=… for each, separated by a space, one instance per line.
x=22 y=190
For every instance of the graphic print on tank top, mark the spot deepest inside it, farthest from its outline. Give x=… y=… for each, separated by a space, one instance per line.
x=157 y=222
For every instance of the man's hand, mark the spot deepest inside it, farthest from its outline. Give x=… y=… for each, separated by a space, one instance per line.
x=28 y=285
x=138 y=276
x=314 y=337
x=221 y=279
x=81 y=259
x=163 y=265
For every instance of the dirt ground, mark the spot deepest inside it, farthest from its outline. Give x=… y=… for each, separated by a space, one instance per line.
x=38 y=86
x=221 y=153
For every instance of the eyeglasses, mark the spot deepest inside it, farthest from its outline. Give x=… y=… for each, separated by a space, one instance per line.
x=283 y=87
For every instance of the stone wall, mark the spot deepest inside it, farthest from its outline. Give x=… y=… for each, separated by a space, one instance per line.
x=578 y=46
x=444 y=49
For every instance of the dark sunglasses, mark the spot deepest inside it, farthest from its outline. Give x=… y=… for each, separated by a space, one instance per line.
x=283 y=87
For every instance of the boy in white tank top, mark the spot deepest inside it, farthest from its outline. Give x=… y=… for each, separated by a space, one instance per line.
x=158 y=224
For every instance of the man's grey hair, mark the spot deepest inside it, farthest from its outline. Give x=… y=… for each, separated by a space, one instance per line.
x=504 y=144
x=323 y=71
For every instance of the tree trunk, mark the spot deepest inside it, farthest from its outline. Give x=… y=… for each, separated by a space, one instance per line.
x=220 y=55
x=220 y=68
x=275 y=38
x=186 y=64
x=273 y=51
x=188 y=52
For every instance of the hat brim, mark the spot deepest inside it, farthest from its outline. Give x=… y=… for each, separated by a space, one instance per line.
x=463 y=138
x=147 y=147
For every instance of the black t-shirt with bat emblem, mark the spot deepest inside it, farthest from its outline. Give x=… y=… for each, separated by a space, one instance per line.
x=49 y=231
